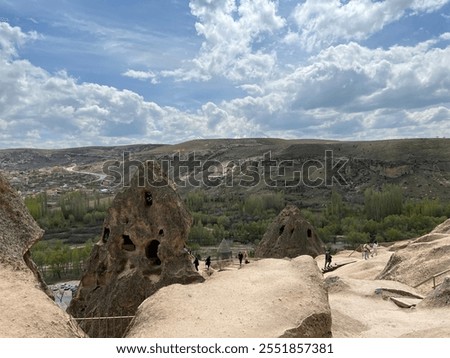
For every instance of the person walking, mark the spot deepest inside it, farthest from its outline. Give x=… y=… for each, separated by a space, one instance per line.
x=240 y=257
x=208 y=262
x=196 y=263
x=366 y=251
x=328 y=259
x=246 y=257
x=375 y=248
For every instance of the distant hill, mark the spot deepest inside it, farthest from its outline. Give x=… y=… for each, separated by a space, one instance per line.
x=306 y=170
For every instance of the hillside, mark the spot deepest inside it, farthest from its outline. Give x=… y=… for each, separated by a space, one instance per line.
x=420 y=166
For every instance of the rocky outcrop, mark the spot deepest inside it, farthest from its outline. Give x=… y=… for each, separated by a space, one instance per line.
x=19 y=232
x=440 y=297
x=417 y=261
x=267 y=298
x=142 y=249
x=290 y=235
x=27 y=310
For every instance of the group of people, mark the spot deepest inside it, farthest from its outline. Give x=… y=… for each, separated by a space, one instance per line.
x=369 y=250
x=242 y=256
x=207 y=262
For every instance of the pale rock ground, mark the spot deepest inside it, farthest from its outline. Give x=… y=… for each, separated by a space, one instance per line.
x=266 y=298
x=27 y=312
x=357 y=311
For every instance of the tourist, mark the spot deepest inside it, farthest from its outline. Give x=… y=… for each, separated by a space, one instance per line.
x=208 y=262
x=196 y=263
x=246 y=257
x=375 y=248
x=328 y=258
x=240 y=257
x=366 y=251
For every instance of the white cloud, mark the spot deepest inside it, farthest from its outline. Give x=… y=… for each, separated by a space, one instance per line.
x=141 y=75
x=325 y=22
x=42 y=109
x=234 y=34
x=12 y=37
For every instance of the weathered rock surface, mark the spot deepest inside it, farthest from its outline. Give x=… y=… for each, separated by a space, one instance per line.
x=25 y=306
x=420 y=259
x=267 y=298
x=290 y=235
x=404 y=302
x=440 y=297
x=18 y=231
x=141 y=250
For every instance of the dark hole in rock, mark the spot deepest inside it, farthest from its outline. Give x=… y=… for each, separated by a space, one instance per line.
x=281 y=229
x=161 y=232
x=105 y=234
x=148 y=198
x=151 y=251
x=127 y=244
x=309 y=233
x=292 y=231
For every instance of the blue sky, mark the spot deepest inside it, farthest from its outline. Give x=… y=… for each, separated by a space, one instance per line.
x=77 y=73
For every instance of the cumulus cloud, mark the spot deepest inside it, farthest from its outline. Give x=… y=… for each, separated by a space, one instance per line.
x=233 y=32
x=12 y=37
x=43 y=109
x=326 y=22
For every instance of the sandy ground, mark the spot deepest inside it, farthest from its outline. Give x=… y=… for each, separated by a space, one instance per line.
x=357 y=311
x=27 y=312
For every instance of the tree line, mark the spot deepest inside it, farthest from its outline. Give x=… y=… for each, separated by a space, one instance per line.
x=386 y=215
x=71 y=209
x=58 y=261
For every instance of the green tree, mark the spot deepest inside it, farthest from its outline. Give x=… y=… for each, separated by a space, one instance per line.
x=389 y=201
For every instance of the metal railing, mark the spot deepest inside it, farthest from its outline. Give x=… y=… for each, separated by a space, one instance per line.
x=104 y=327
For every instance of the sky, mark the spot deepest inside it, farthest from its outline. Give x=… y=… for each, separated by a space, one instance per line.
x=111 y=72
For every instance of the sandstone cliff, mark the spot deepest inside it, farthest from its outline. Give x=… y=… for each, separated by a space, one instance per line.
x=26 y=310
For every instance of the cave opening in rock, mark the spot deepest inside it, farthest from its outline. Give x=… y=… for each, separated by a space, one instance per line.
x=309 y=233
x=151 y=251
x=105 y=234
x=127 y=243
x=161 y=232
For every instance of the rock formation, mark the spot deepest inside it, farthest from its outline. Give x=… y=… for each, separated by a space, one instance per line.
x=290 y=235
x=267 y=298
x=417 y=261
x=27 y=310
x=440 y=297
x=19 y=232
x=142 y=249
